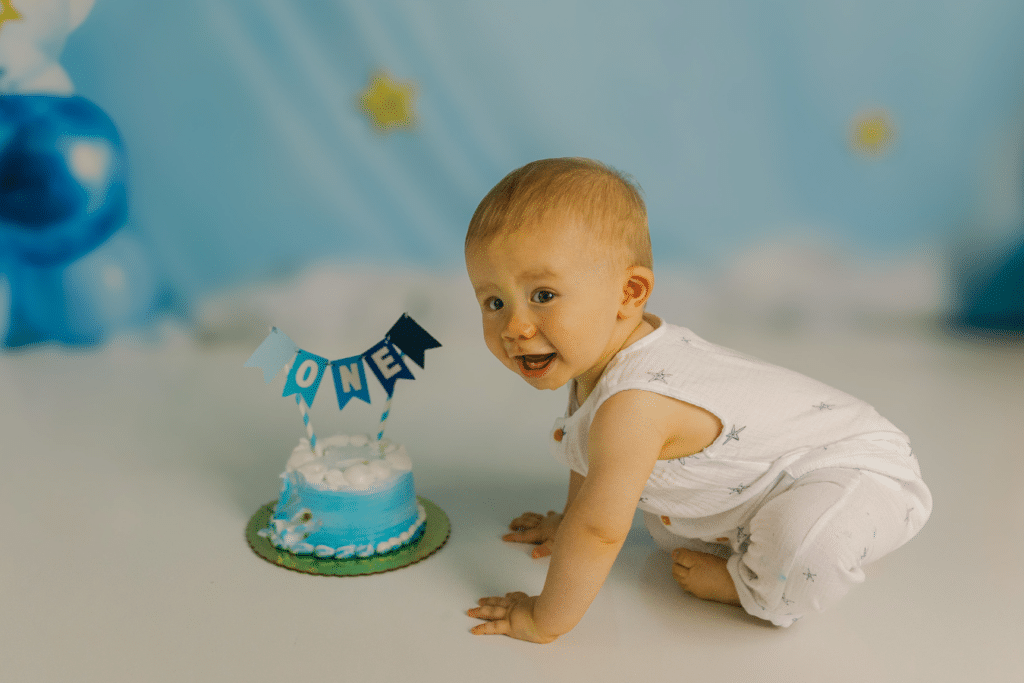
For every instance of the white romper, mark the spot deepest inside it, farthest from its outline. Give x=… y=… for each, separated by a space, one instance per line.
x=807 y=483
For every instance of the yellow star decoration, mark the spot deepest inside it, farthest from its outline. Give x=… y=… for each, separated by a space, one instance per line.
x=872 y=132
x=388 y=103
x=8 y=12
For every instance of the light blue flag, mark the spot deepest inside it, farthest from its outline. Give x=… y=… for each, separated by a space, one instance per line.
x=350 y=380
x=304 y=378
x=273 y=354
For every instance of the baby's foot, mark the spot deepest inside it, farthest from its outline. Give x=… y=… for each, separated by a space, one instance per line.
x=704 y=575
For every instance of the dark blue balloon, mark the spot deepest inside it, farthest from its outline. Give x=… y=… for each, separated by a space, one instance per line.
x=62 y=178
x=996 y=301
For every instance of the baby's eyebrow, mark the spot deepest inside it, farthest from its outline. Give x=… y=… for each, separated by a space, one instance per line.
x=483 y=287
x=537 y=274
x=534 y=274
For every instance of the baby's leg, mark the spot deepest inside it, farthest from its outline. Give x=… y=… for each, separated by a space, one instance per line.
x=805 y=547
x=698 y=567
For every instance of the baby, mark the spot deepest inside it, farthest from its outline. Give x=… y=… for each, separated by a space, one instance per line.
x=770 y=490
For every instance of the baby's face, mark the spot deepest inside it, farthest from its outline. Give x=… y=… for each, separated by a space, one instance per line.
x=549 y=300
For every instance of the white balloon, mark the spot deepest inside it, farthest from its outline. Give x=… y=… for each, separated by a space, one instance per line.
x=32 y=43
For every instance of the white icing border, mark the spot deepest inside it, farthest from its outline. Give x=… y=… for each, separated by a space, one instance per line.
x=288 y=541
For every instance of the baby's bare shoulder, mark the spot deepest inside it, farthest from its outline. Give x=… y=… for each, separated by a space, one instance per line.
x=681 y=428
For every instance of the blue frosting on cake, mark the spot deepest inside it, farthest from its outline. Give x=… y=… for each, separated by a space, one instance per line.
x=354 y=498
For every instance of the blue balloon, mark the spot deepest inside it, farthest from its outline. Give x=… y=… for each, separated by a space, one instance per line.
x=110 y=289
x=62 y=178
x=995 y=301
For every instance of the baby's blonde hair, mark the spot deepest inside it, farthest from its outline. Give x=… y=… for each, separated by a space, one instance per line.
x=599 y=197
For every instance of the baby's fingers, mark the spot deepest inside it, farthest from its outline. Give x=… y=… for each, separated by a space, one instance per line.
x=527 y=520
x=543 y=550
x=495 y=608
x=500 y=627
x=489 y=612
x=524 y=536
x=498 y=601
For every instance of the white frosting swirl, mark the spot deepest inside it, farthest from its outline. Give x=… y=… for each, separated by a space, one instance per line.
x=348 y=463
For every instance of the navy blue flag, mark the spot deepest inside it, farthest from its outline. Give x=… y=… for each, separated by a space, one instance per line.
x=412 y=339
x=386 y=362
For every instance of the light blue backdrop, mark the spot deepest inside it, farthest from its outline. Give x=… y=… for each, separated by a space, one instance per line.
x=250 y=157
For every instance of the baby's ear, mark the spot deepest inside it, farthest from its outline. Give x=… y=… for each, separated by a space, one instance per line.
x=638 y=287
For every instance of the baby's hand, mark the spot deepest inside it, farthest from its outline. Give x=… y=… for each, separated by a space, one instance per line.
x=510 y=616
x=531 y=527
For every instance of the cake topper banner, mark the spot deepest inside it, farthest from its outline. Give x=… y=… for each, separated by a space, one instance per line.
x=385 y=359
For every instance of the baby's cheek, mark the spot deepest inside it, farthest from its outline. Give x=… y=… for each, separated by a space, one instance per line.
x=497 y=350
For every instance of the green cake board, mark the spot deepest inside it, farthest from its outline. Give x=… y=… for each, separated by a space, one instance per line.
x=435 y=535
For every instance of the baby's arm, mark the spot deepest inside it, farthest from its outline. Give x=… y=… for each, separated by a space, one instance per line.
x=531 y=527
x=624 y=444
x=626 y=439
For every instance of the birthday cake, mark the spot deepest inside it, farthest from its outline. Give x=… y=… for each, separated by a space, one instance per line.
x=351 y=497
x=345 y=497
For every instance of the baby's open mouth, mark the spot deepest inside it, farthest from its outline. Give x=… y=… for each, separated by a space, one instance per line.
x=533 y=363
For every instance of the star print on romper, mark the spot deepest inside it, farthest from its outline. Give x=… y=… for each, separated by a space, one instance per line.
x=824 y=406
x=743 y=539
x=809 y=575
x=734 y=434
x=738 y=489
x=658 y=376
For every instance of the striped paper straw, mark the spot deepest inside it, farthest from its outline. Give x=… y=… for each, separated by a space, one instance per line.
x=305 y=420
x=383 y=421
x=384 y=417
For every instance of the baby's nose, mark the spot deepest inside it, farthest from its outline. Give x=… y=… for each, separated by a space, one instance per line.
x=519 y=327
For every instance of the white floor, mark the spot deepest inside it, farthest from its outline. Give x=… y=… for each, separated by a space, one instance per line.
x=128 y=473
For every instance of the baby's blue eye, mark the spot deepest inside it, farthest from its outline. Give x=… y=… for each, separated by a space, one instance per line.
x=543 y=296
x=494 y=304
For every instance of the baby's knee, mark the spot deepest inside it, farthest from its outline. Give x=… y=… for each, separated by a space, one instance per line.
x=790 y=570
x=783 y=592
